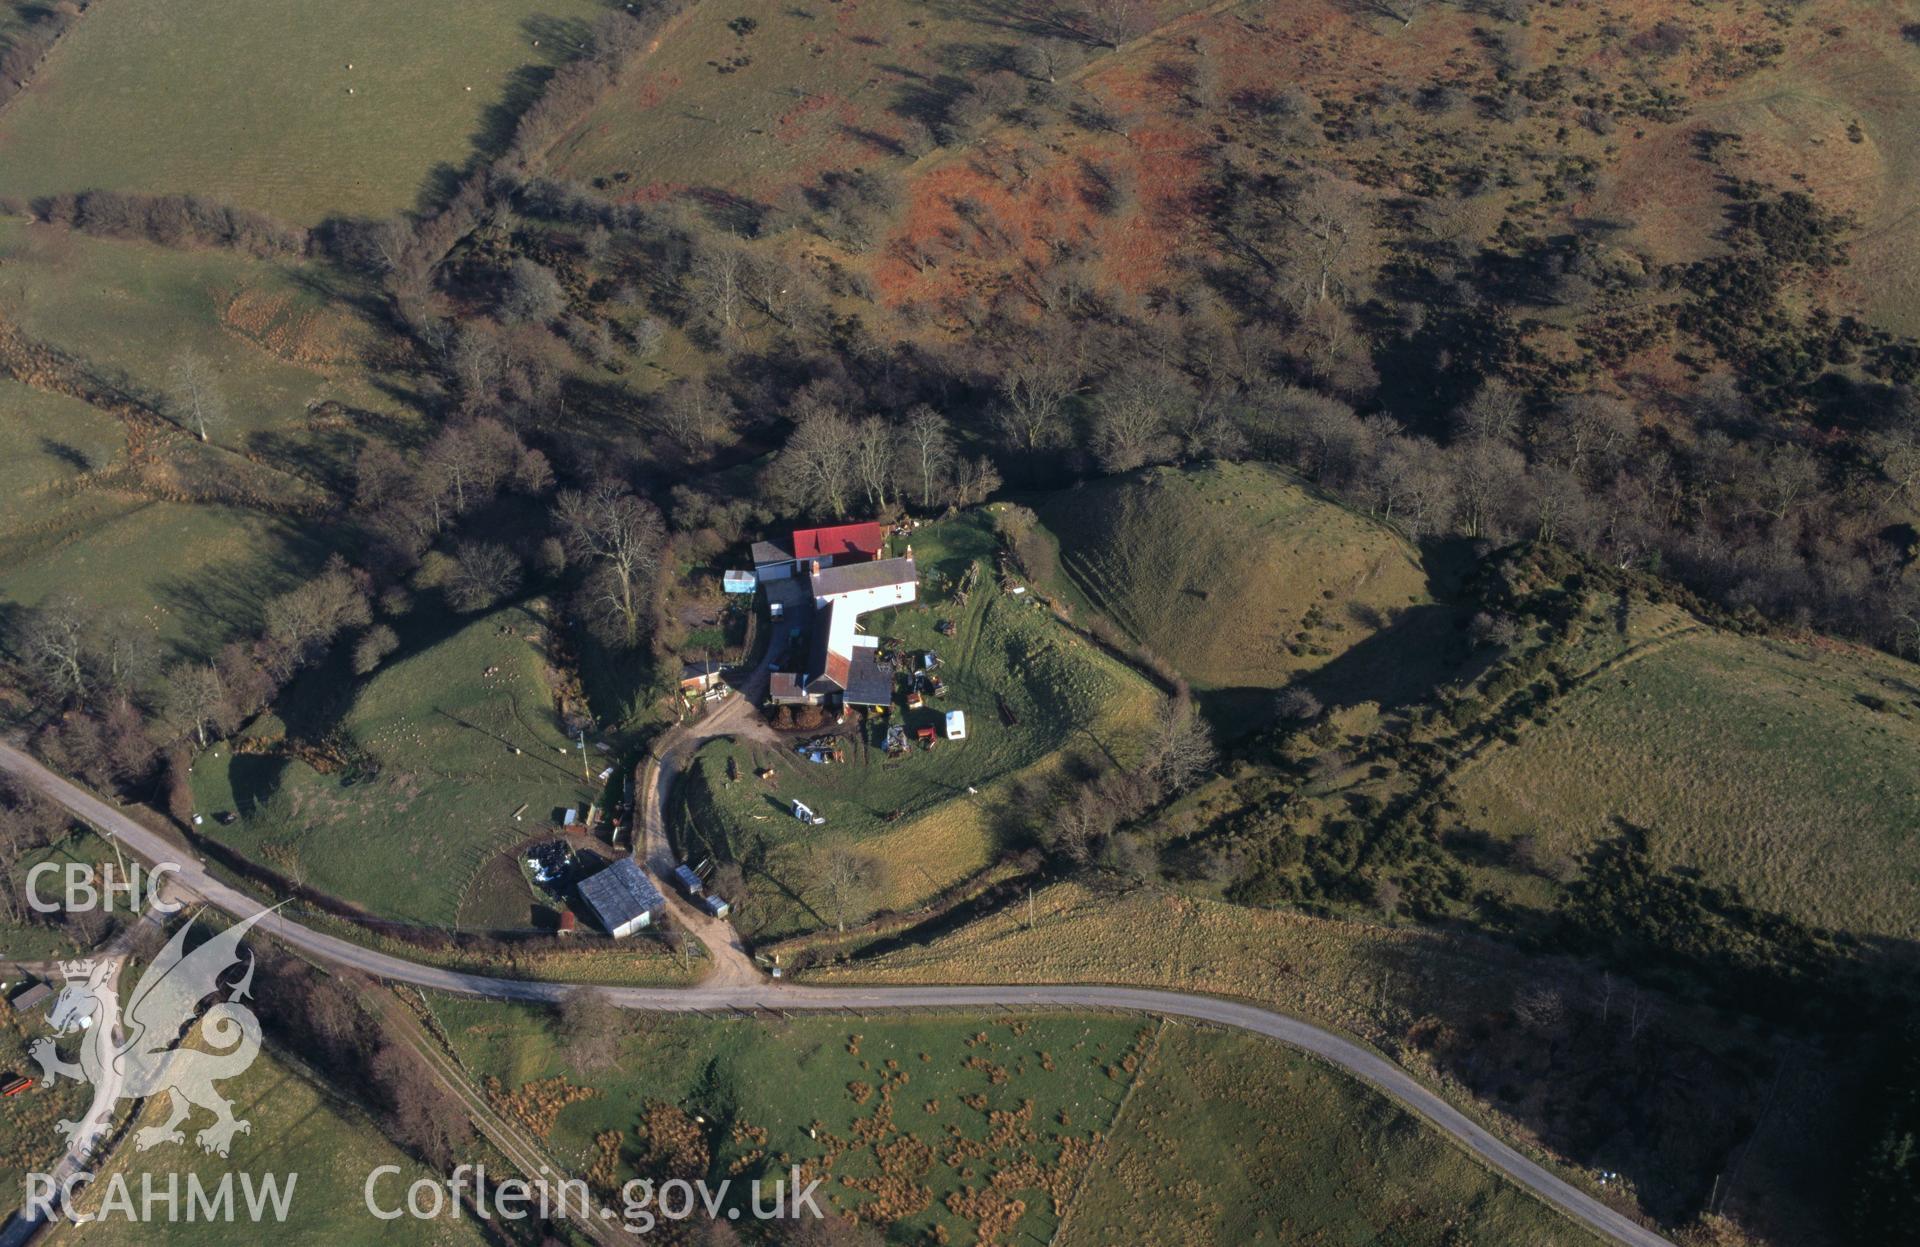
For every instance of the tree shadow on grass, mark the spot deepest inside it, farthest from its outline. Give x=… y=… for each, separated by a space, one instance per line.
x=67 y=454
x=255 y=779
x=232 y=594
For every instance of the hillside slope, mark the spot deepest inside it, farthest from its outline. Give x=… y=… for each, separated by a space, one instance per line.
x=1234 y=573
x=1789 y=769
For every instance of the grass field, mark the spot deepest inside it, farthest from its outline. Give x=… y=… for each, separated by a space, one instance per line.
x=275 y=334
x=1238 y=575
x=427 y=801
x=754 y=98
x=265 y=113
x=195 y=575
x=1232 y=1139
x=915 y=813
x=1176 y=1135
x=53 y=443
x=298 y=1127
x=1792 y=770
x=905 y=1114
x=1371 y=980
x=105 y=508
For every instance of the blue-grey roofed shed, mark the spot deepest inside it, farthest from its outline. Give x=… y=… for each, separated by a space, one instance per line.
x=622 y=898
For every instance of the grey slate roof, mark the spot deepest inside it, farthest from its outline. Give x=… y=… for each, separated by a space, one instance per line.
x=849 y=577
x=31 y=997
x=621 y=893
x=869 y=682
x=765 y=552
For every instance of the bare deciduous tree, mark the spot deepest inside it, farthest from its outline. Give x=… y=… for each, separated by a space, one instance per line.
x=484 y=572
x=197 y=392
x=593 y=1028
x=817 y=465
x=304 y=621
x=1333 y=247
x=533 y=295
x=55 y=643
x=1183 y=748
x=1788 y=474
x=929 y=446
x=1132 y=415
x=694 y=415
x=373 y=647
x=718 y=284
x=469 y=462
x=1495 y=412
x=196 y=698
x=848 y=882
x=622 y=536
x=876 y=449
x=1035 y=383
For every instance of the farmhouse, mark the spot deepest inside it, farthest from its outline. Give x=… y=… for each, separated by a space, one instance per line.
x=829 y=661
x=622 y=898
x=839 y=545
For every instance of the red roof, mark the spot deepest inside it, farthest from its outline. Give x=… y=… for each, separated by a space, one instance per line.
x=843 y=541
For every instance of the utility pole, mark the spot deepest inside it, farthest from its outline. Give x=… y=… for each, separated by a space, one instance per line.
x=115 y=842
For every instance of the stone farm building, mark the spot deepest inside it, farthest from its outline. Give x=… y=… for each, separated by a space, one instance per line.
x=818 y=586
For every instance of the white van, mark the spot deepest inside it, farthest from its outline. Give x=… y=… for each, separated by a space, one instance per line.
x=956 y=725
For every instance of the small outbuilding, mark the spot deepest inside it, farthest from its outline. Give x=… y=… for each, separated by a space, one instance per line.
x=956 y=725
x=716 y=906
x=30 y=997
x=622 y=898
x=689 y=882
x=703 y=676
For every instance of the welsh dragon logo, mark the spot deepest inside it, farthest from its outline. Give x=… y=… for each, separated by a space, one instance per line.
x=138 y=1053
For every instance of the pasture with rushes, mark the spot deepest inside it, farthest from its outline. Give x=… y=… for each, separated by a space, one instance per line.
x=1240 y=576
x=1791 y=769
x=174 y=99
x=299 y=1126
x=925 y=1124
x=913 y=814
x=978 y=1128
x=425 y=766
x=1396 y=988
x=1230 y=1138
